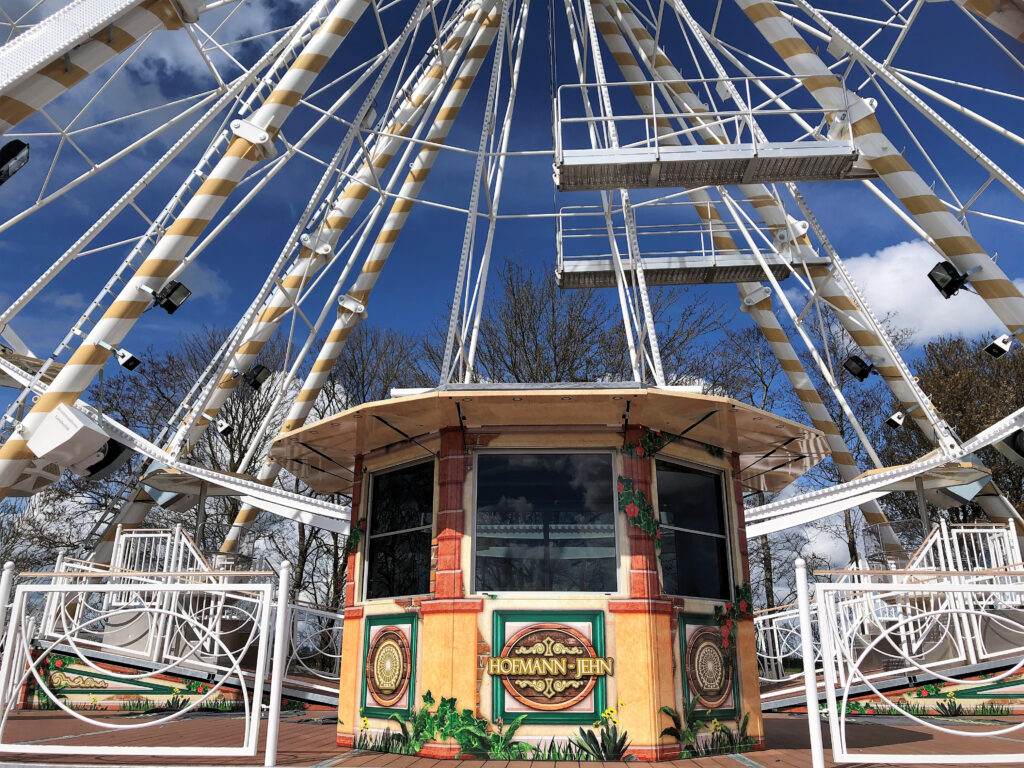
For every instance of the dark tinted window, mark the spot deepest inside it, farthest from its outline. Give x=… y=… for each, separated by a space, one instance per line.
x=694 y=547
x=398 y=545
x=545 y=522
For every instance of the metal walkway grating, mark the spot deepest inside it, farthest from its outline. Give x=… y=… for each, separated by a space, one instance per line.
x=698 y=166
x=674 y=270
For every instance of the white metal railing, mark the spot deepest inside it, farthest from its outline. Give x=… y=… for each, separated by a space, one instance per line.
x=981 y=609
x=667 y=234
x=220 y=621
x=986 y=554
x=146 y=557
x=584 y=110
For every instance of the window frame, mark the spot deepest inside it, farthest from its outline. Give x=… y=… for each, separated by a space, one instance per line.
x=720 y=476
x=369 y=526
x=551 y=451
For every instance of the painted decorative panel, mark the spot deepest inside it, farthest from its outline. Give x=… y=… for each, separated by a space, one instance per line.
x=549 y=666
x=389 y=665
x=709 y=665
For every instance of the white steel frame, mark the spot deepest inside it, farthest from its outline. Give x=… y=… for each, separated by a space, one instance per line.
x=70 y=588
x=949 y=600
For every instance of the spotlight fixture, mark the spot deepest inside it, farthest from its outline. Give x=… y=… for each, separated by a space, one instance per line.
x=127 y=360
x=256 y=375
x=999 y=346
x=947 y=279
x=896 y=420
x=223 y=427
x=171 y=296
x=857 y=368
x=13 y=155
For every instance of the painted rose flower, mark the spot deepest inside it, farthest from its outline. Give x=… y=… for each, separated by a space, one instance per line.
x=632 y=510
x=639 y=450
x=59 y=663
x=743 y=606
x=619 y=487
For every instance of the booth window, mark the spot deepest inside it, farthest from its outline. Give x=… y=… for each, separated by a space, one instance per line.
x=545 y=522
x=694 y=543
x=398 y=540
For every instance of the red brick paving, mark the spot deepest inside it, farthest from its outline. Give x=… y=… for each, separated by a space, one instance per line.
x=305 y=741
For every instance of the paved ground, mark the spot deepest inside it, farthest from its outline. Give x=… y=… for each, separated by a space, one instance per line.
x=309 y=741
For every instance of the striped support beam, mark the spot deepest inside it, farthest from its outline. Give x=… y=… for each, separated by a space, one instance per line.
x=631 y=73
x=762 y=314
x=34 y=92
x=768 y=207
x=375 y=260
x=239 y=157
x=308 y=263
x=1001 y=14
x=949 y=234
x=363 y=182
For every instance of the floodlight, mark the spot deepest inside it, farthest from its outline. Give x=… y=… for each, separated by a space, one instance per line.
x=127 y=360
x=223 y=427
x=13 y=155
x=896 y=420
x=999 y=346
x=256 y=375
x=171 y=296
x=857 y=368
x=947 y=279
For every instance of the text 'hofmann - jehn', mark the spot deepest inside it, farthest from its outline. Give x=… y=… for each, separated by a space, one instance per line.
x=549 y=667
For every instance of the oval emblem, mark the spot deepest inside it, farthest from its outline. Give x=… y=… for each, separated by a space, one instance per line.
x=549 y=667
x=708 y=669
x=387 y=666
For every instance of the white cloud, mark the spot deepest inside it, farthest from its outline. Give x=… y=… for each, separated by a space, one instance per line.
x=66 y=300
x=205 y=282
x=895 y=280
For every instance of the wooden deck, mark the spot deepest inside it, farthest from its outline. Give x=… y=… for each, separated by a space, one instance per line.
x=309 y=741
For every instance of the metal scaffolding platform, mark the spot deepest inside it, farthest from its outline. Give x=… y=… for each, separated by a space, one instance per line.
x=675 y=247
x=673 y=270
x=699 y=166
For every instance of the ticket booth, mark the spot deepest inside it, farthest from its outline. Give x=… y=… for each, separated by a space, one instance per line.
x=554 y=557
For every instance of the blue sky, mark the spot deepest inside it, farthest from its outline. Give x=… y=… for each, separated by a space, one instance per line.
x=419 y=280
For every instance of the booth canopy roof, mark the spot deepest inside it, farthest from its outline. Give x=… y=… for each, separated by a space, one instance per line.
x=773 y=451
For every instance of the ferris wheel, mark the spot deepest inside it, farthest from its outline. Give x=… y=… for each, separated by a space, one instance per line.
x=665 y=143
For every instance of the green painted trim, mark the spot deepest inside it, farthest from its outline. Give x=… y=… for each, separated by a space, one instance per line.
x=393 y=619
x=980 y=691
x=596 y=619
x=706 y=620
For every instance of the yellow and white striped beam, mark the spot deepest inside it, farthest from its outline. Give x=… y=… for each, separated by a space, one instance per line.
x=950 y=236
x=376 y=259
x=955 y=242
x=239 y=157
x=312 y=259
x=1001 y=14
x=420 y=97
x=627 y=24
x=30 y=94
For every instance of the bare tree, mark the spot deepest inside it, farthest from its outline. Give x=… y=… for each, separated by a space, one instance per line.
x=532 y=331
